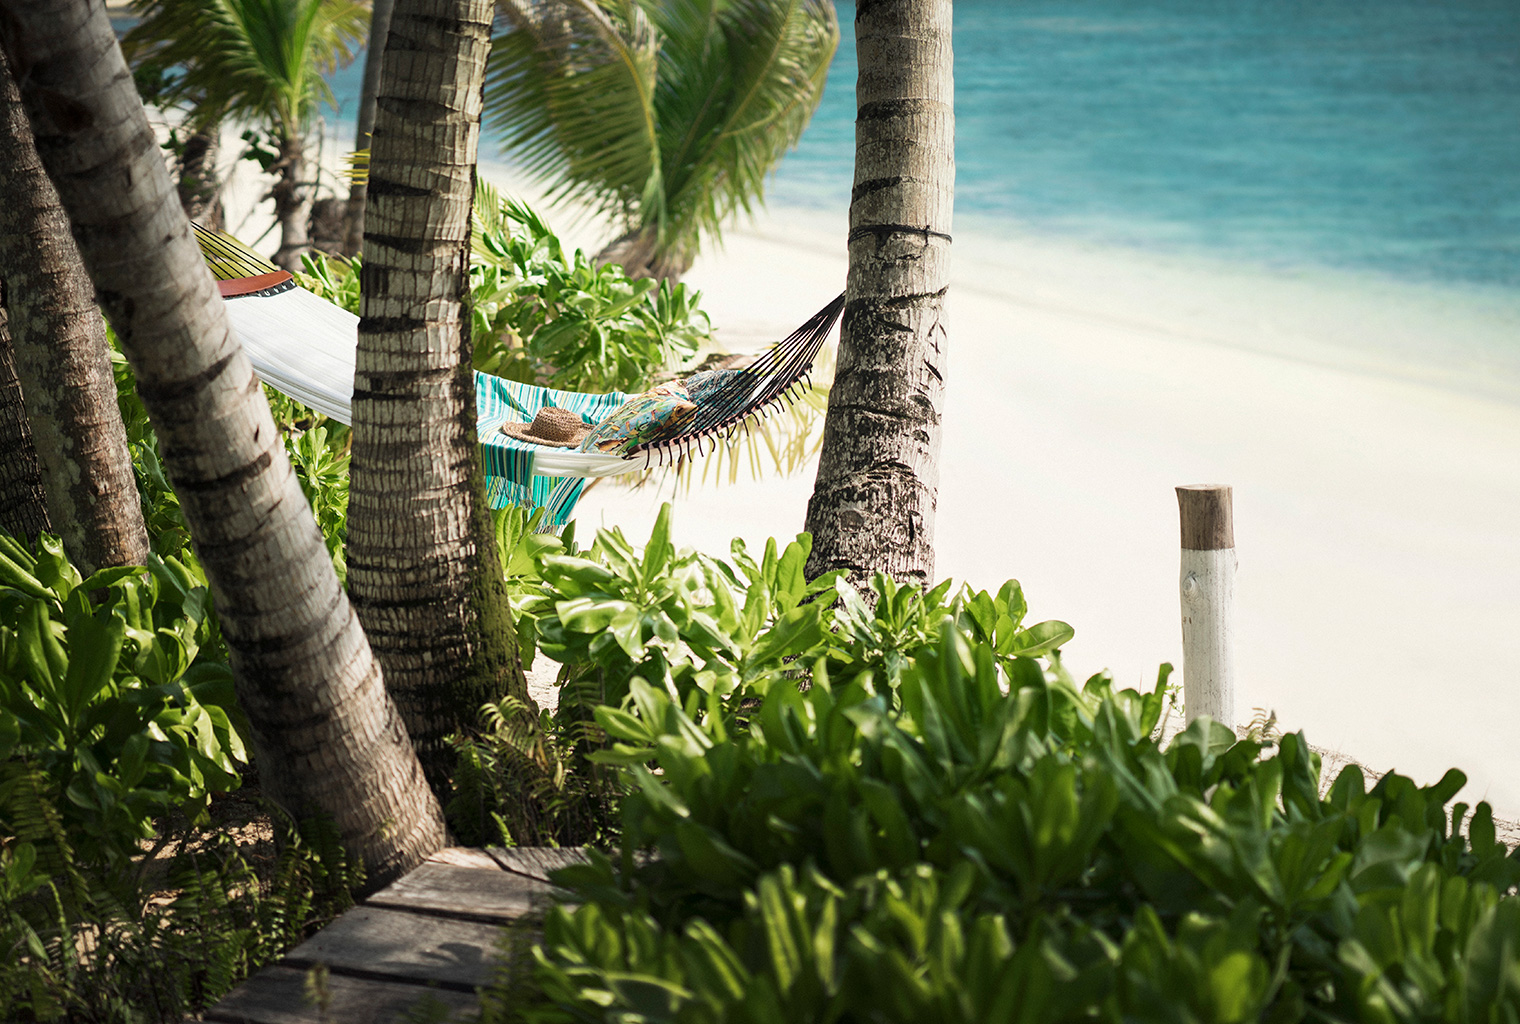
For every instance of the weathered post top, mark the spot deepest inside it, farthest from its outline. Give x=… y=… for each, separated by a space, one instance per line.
x=1207 y=521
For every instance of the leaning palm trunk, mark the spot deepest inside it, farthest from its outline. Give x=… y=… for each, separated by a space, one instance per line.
x=364 y=125
x=874 y=501
x=328 y=741
x=422 y=564
x=62 y=360
x=292 y=203
x=23 y=506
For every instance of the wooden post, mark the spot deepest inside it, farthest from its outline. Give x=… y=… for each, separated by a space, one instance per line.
x=1208 y=594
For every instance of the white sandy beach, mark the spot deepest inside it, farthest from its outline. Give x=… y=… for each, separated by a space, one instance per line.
x=1377 y=504
x=1370 y=432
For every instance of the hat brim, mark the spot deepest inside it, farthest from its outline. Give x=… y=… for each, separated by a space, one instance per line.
x=521 y=432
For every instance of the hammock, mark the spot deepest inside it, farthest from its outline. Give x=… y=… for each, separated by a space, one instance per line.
x=304 y=346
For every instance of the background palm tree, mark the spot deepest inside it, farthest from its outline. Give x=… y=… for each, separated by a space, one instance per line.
x=665 y=115
x=259 y=61
x=61 y=361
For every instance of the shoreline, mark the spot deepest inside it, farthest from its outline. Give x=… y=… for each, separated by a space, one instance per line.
x=1374 y=498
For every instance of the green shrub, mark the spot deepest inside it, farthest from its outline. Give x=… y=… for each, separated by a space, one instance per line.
x=119 y=901
x=544 y=317
x=931 y=825
x=116 y=691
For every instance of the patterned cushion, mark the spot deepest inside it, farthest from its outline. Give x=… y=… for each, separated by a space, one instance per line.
x=658 y=413
x=705 y=385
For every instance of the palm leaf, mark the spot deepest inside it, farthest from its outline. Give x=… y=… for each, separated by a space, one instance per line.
x=665 y=115
x=771 y=59
x=572 y=86
x=260 y=60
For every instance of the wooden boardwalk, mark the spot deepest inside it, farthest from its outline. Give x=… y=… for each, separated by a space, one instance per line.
x=424 y=943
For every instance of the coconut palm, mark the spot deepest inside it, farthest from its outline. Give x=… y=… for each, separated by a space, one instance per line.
x=878 y=471
x=328 y=741
x=61 y=361
x=259 y=61
x=424 y=573
x=665 y=115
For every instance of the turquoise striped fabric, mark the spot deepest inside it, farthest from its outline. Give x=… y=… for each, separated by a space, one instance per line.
x=508 y=463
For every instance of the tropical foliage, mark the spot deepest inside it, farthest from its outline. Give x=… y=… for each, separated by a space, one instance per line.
x=929 y=824
x=118 y=726
x=665 y=116
x=259 y=62
x=544 y=316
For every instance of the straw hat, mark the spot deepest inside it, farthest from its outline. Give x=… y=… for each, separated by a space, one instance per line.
x=553 y=427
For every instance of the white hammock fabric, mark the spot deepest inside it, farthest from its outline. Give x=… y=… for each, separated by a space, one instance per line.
x=304 y=346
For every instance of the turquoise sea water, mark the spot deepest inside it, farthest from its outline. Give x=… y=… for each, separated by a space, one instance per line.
x=1379 y=136
x=1374 y=135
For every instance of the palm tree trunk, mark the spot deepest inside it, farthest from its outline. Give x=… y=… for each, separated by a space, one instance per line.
x=62 y=360
x=328 y=741
x=369 y=88
x=422 y=563
x=878 y=475
x=292 y=203
x=200 y=187
x=639 y=254
x=23 y=506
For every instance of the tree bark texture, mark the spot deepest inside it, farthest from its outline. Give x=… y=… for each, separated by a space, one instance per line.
x=62 y=360
x=328 y=741
x=422 y=564
x=874 y=500
x=23 y=506
x=638 y=252
x=364 y=126
x=292 y=203
x=200 y=184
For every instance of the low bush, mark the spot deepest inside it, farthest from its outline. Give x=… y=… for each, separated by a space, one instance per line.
x=930 y=823
x=118 y=899
x=544 y=316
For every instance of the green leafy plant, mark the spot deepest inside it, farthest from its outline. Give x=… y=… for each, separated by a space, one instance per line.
x=542 y=316
x=928 y=823
x=120 y=900
x=116 y=689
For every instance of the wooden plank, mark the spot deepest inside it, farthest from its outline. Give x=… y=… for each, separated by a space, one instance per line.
x=278 y=995
x=404 y=946
x=471 y=894
x=536 y=861
x=464 y=857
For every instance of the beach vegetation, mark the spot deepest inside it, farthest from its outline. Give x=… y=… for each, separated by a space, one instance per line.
x=928 y=818
x=665 y=116
x=259 y=63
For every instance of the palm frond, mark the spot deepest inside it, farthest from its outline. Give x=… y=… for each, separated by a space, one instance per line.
x=771 y=60
x=666 y=116
x=259 y=60
x=572 y=86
